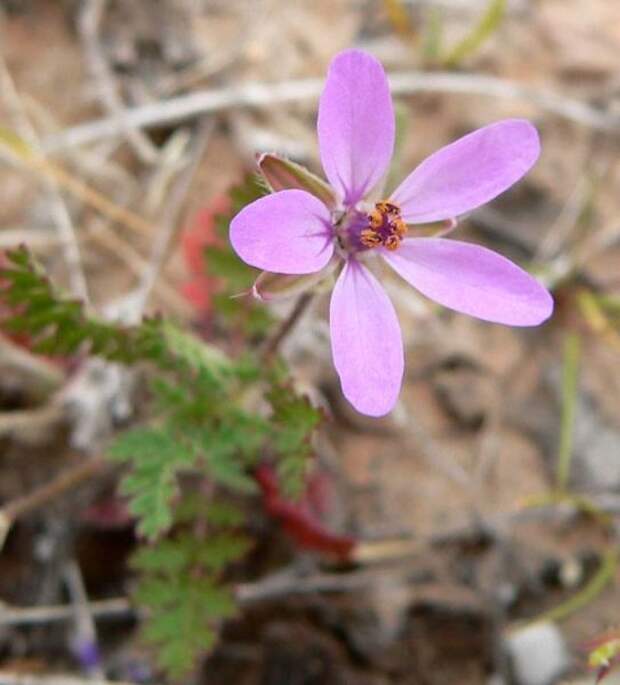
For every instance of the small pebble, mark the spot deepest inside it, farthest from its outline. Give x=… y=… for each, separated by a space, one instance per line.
x=538 y=654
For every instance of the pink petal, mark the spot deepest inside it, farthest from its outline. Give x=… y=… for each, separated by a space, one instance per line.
x=355 y=125
x=469 y=172
x=472 y=280
x=287 y=232
x=366 y=341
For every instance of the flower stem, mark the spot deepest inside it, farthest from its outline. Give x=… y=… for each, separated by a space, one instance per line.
x=272 y=344
x=569 y=401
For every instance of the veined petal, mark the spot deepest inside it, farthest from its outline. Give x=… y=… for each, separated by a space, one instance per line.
x=355 y=124
x=287 y=232
x=472 y=279
x=366 y=341
x=469 y=172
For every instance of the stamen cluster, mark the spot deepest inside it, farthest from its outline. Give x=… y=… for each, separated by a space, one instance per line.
x=385 y=227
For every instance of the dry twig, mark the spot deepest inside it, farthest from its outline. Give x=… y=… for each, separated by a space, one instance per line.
x=29 y=423
x=89 y=21
x=169 y=220
x=60 y=213
x=43 y=376
x=103 y=235
x=105 y=608
x=9 y=678
x=85 y=629
x=87 y=468
x=259 y=94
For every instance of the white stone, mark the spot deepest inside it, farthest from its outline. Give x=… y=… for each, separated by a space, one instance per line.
x=538 y=654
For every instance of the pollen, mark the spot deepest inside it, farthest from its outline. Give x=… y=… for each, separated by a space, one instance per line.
x=370 y=238
x=385 y=227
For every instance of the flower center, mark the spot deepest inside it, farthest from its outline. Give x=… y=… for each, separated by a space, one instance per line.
x=385 y=227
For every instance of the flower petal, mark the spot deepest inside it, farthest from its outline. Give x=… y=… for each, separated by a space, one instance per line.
x=366 y=341
x=469 y=172
x=355 y=124
x=287 y=232
x=473 y=280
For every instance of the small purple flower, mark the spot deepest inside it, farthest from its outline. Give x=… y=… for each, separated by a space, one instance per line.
x=293 y=232
x=87 y=653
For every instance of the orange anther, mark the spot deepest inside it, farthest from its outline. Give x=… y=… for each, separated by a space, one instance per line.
x=385 y=227
x=392 y=242
x=370 y=238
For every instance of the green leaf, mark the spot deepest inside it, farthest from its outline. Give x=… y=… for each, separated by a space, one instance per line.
x=156 y=592
x=292 y=423
x=155 y=456
x=230 y=474
x=61 y=326
x=225 y=264
x=185 y=627
x=229 y=449
x=168 y=557
x=221 y=550
x=218 y=513
x=181 y=587
x=223 y=514
x=195 y=353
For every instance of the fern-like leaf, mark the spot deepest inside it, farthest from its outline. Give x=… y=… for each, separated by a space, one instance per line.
x=60 y=326
x=292 y=423
x=183 y=590
x=156 y=457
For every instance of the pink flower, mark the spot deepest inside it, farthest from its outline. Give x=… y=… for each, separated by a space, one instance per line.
x=293 y=232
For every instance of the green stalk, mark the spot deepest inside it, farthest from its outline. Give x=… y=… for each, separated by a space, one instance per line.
x=572 y=351
x=488 y=24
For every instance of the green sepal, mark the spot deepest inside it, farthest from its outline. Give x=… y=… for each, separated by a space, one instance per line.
x=269 y=286
x=283 y=174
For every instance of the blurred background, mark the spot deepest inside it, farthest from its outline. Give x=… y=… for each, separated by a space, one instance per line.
x=486 y=506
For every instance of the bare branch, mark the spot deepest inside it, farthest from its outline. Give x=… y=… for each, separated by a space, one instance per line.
x=60 y=213
x=8 y=678
x=169 y=220
x=272 y=94
x=89 y=20
x=86 y=469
